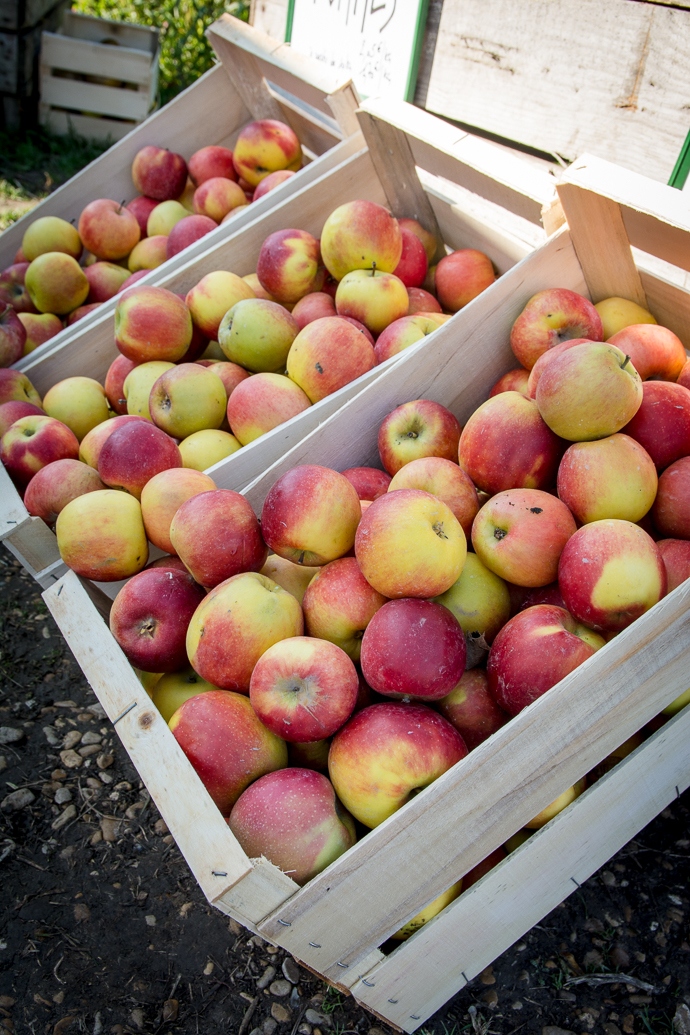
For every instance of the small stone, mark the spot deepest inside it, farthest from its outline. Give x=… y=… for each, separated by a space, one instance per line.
x=681 y=1019
x=593 y=924
x=269 y=1026
x=568 y=997
x=96 y=838
x=150 y=920
x=137 y=1018
x=98 y=710
x=51 y=736
x=306 y=1029
x=67 y=853
x=110 y=828
x=611 y=1029
x=266 y=978
x=208 y=969
x=93 y=783
x=90 y=749
x=71 y=759
x=619 y=957
x=18 y=799
x=629 y=1024
x=517 y=1005
x=280 y=1013
x=315 y=1017
x=270 y=949
x=71 y=739
x=105 y=778
x=58 y=774
x=123 y=785
x=553 y=1029
x=62 y=796
x=161 y=827
x=64 y=704
x=9 y=735
x=91 y=737
x=640 y=1000
x=81 y=912
x=280 y=988
x=6 y=1001
x=63 y=819
x=608 y=879
x=104 y=761
x=491 y=999
x=59 y=996
x=170 y=1008
x=168 y=839
x=291 y=970
x=487 y=976
x=593 y=958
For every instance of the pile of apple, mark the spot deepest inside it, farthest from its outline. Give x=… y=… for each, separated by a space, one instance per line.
x=61 y=272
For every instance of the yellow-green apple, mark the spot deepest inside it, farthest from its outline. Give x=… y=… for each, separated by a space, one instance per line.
x=32 y=442
x=293 y=577
x=655 y=352
x=259 y=291
x=13 y=289
x=534 y=651
x=313 y=306
x=479 y=599
x=610 y=573
x=159 y=173
x=56 y=484
x=513 y=381
x=675 y=554
x=148 y=254
x=186 y=399
x=617 y=313
x=313 y=755
x=612 y=477
x=235 y=624
x=150 y=615
x=138 y=383
x=257 y=334
x=16 y=387
x=545 y=358
x=163 y=218
x=416 y=429
x=404 y=332
x=428 y=913
x=550 y=317
x=79 y=402
x=471 y=709
x=288 y=264
x=217 y=535
x=671 y=510
x=304 y=688
x=174 y=688
x=141 y=208
x=421 y=301
x=56 y=283
x=461 y=276
x=210 y=299
x=293 y=818
x=261 y=403
x=108 y=229
x=519 y=534
x=115 y=380
x=15 y=410
x=226 y=744
x=589 y=391
x=105 y=280
x=339 y=603
x=310 y=515
x=387 y=753
x=12 y=335
x=662 y=423
x=190 y=229
x=162 y=497
x=273 y=179
x=327 y=355
x=152 y=323
x=369 y=482
x=561 y=802
x=90 y=445
x=263 y=147
x=506 y=444
x=211 y=161
x=133 y=454
x=217 y=197
x=50 y=234
x=444 y=479
x=205 y=448
x=675 y=706
x=410 y=544
x=425 y=236
x=413 y=648
x=360 y=235
x=101 y=536
x=413 y=264
x=374 y=298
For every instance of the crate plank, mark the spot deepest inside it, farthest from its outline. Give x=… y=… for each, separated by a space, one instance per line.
x=13 y=513
x=422 y=974
x=90 y=126
x=126 y=63
x=101 y=30
x=669 y=304
x=35 y=544
x=92 y=97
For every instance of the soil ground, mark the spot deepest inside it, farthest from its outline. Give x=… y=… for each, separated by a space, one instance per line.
x=104 y=930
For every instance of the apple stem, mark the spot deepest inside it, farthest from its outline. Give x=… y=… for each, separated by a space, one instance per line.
x=122 y=204
x=625 y=361
x=373 y=269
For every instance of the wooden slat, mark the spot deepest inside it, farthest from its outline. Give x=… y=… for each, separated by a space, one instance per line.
x=89 y=126
x=669 y=304
x=92 y=97
x=87 y=27
x=245 y=75
x=470 y=933
x=74 y=55
x=35 y=543
x=13 y=513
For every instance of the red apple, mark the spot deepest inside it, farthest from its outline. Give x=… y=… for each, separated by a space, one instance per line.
x=425 y=236
x=218 y=196
x=32 y=442
x=189 y=230
x=273 y=179
x=16 y=387
x=152 y=323
x=327 y=355
x=314 y=306
x=339 y=603
x=421 y=301
x=159 y=173
x=108 y=229
x=546 y=357
x=513 y=381
x=374 y=298
x=261 y=403
x=101 y=536
x=264 y=147
x=445 y=480
x=461 y=276
x=471 y=709
x=217 y=535
x=416 y=429
x=141 y=208
x=655 y=352
x=675 y=554
x=662 y=423
x=163 y=495
x=15 y=410
x=13 y=289
x=288 y=263
x=404 y=332
x=211 y=161
x=612 y=477
x=360 y=235
x=369 y=482
x=114 y=382
x=40 y=328
x=550 y=317
x=133 y=454
x=12 y=336
x=671 y=510
x=413 y=262
x=56 y=484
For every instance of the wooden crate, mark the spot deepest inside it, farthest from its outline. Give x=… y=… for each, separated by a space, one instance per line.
x=500 y=218
x=21 y=25
x=337 y=922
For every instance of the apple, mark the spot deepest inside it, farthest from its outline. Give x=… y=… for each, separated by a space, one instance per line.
x=413 y=265
x=212 y=297
x=410 y=544
x=105 y=281
x=172 y=689
x=259 y=291
x=445 y=480
x=339 y=603
x=413 y=648
x=314 y=306
x=428 y=913
x=50 y=234
x=655 y=352
x=90 y=445
x=205 y=448
x=15 y=410
x=164 y=217
x=293 y=577
x=313 y=755
x=211 y=161
x=159 y=173
x=610 y=573
x=16 y=387
x=372 y=297
x=56 y=484
x=671 y=510
x=56 y=283
x=261 y=403
x=561 y=802
x=188 y=231
x=589 y=391
x=32 y=442
x=479 y=599
x=416 y=429
x=152 y=323
x=471 y=709
x=545 y=358
x=12 y=336
x=482 y=868
x=513 y=381
x=327 y=355
x=360 y=235
x=387 y=753
x=293 y=818
x=79 y=402
x=226 y=744
x=684 y=376
x=101 y=536
x=162 y=497
x=675 y=553
x=235 y=624
x=617 y=313
x=138 y=383
x=141 y=208
x=218 y=196
x=406 y=331
x=13 y=289
x=131 y=456
x=115 y=380
x=150 y=615
x=425 y=236
x=550 y=317
x=288 y=264
x=273 y=179
x=369 y=482
x=314 y=534
x=108 y=229
x=148 y=254
x=134 y=278
x=534 y=651
x=612 y=477
x=662 y=423
x=263 y=147
x=257 y=334
x=461 y=276
x=421 y=301
x=216 y=533
x=230 y=373
x=187 y=398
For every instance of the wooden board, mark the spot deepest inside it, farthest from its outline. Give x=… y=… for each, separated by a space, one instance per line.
x=16 y=15
x=528 y=72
